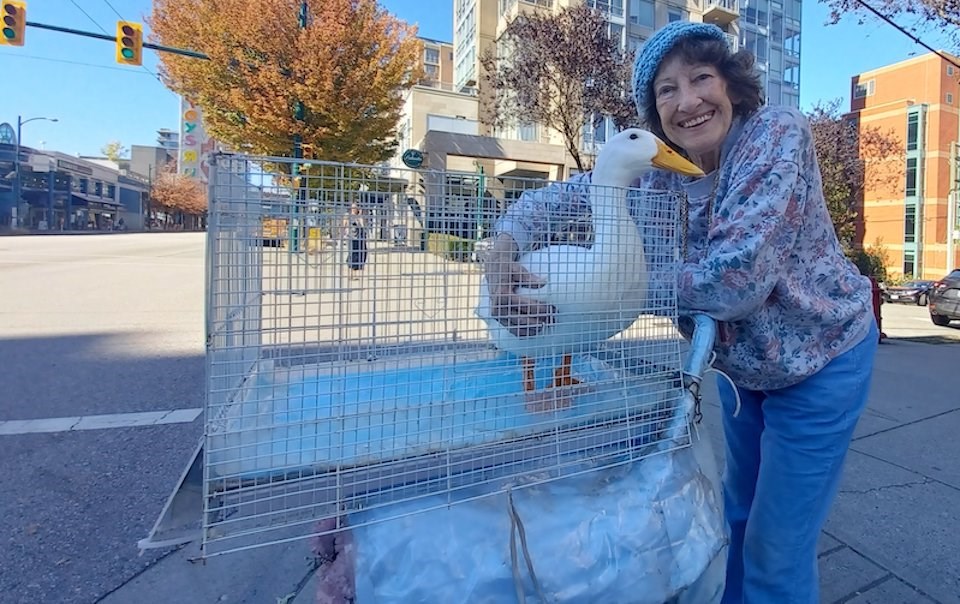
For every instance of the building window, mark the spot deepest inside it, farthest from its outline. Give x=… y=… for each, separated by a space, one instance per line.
x=431 y=72
x=949 y=70
x=911 y=189
x=643 y=12
x=791 y=42
x=776 y=28
x=908 y=264
x=677 y=14
x=609 y=7
x=616 y=33
x=863 y=89
x=910 y=224
x=755 y=15
x=527 y=132
x=791 y=77
x=773 y=93
x=756 y=44
x=949 y=98
x=597 y=131
x=913 y=125
x=794 y=9
x=431 y=56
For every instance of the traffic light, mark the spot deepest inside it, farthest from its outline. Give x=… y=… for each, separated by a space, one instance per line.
x=129 y=43
x=14 y=15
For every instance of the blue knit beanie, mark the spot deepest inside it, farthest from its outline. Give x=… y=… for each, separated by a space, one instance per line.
x=659 y=46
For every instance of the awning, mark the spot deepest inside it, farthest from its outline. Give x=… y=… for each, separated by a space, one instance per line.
x=94 y=201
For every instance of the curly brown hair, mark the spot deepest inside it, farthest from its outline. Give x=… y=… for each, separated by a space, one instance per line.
x=736 y=68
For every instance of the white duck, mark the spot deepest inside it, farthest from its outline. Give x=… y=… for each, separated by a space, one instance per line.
x=598 y=291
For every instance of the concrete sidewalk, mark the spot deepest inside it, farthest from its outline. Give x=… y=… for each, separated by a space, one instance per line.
x=891 y=539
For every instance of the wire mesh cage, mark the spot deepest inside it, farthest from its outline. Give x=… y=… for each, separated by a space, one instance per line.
x=351 y=367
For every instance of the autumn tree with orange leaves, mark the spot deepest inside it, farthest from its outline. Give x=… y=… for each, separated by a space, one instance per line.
x=176 y=193
x=349 y=68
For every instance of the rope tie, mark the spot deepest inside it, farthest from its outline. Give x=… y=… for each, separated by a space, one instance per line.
x=736 y=393
x=516 y=528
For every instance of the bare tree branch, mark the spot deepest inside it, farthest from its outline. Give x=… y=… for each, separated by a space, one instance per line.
x=558 y=70
x=852 y=159
x=937 y=17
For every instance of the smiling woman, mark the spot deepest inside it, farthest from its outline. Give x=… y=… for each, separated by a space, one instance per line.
x=797 y=331
x=692 y=99
x=696 y=109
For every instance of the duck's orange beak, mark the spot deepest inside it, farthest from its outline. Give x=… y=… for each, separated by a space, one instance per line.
x=668 y=159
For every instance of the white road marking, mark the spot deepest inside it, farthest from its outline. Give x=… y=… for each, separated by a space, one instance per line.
x=98 y=422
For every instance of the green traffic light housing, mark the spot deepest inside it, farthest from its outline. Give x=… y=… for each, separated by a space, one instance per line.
x=14 y=22
x=129 y=43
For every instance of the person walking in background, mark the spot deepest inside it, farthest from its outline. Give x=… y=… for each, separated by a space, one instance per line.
x=357 y=234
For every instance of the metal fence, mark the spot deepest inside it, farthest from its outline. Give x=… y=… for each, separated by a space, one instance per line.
x=348 y=369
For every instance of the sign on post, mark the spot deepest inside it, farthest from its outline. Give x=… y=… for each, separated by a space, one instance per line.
x=412 y=158
x=195 y=145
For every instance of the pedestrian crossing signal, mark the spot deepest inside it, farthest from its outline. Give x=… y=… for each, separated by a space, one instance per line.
x=129 y=43
x=14 y=16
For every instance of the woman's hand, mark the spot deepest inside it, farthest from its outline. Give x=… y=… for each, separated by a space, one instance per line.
x=521 y=316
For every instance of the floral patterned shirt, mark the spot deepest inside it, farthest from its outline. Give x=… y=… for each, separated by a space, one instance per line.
x=768 y=266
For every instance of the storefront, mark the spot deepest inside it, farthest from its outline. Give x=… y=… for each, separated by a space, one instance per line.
x=93 y=213
x=45 y=200
x=63 y=192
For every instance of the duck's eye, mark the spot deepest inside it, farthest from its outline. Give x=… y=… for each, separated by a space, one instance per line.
x=634 y=136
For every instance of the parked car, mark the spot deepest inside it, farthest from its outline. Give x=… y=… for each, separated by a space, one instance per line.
x=945 y=299
x=913 y=292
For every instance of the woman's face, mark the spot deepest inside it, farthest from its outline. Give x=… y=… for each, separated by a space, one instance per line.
x=694 y=108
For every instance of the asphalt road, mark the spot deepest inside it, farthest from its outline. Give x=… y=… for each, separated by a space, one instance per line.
x=912 y=322
x=113 y=324
x=93 y=325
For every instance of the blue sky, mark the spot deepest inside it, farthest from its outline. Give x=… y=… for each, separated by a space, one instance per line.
x=77 y=81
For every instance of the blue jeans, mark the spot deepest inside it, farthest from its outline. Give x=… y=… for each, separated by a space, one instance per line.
x=785 y=453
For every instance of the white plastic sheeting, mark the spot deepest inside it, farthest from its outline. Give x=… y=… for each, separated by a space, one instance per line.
x=643 y=533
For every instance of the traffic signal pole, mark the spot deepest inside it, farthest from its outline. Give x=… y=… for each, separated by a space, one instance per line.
x=90 y=34
x=299 y=114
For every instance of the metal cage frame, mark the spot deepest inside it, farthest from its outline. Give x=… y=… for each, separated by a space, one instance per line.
x=278 y=323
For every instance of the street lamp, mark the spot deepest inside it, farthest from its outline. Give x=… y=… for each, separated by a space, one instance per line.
x=16 y=159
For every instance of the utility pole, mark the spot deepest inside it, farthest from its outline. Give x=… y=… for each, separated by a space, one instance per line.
x=952 y=198
x=299 y=114
x=17 y=183
x=149 y=222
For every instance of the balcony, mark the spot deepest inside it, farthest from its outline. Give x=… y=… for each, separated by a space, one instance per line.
x=456 y=125
x=721 y=12
x=448 y=87
x=734 y=42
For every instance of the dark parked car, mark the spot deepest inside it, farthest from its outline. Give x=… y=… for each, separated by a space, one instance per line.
x=945 y=299
x=914 y=292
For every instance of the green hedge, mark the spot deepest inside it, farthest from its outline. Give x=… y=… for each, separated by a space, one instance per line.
x=450 y=247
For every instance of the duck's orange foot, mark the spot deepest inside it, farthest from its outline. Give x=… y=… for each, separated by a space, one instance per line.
x=563 y=376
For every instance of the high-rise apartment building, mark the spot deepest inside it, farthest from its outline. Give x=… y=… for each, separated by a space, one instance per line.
x=450 y=100
x=916 y=101
x=771 y=30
